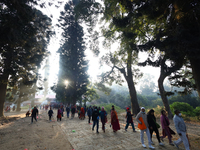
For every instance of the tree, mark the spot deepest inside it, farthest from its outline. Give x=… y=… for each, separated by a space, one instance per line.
x=177 y=26
x=73 y=78
x=23 y=41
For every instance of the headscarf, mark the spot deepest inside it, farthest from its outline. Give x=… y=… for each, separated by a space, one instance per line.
x=102 y=109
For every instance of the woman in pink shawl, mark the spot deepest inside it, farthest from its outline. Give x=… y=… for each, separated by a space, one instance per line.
x=167 y=131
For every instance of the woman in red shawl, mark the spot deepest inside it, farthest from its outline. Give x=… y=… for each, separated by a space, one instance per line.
x=59 y=115
x=165 y=126
x=114 y=120
x=82 y=114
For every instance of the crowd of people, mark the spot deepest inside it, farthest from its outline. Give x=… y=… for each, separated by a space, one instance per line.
x=146 y=122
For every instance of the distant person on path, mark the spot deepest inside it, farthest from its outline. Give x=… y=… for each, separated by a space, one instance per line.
x=151 y=119
x=181 y=130
x=50 y=113
x=166 y=130
x=34 y=114
x=67 y=110
x=62 y=109
x=82 y=114
x=141 y=118
x=59 y=115
x=73 y=110
x=103 y=115
x=114 y=120
x=95 y=119
x=89 y=113
x=129 y=119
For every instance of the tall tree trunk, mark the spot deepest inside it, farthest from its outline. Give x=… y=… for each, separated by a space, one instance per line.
x=133 y=96
x=3 y=88
x=196 y=72
x=33 y=102
x=131 y=85
x=163 y=95
x=18 y=104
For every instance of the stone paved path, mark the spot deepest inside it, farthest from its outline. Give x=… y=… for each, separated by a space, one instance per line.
x=85 y=139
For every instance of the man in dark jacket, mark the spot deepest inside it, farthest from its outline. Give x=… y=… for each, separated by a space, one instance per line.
x=67 y=110
x=34 y=114
x=89 y=113
x=95 y=119
x=50 y=113
x=129 y=119
x=73 y=110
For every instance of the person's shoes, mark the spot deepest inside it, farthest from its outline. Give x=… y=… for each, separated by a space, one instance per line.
x=151 y=147
x=143 y=145
x=125 y=129
x=176 y=145
x=104 y=131
x=134 y=131
x=171 y=144
x=97 y=132
x=152 y=143
x=161 y=144
x=92 y=129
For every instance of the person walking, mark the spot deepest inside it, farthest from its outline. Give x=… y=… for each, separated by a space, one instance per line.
x=82 y=113
x=141 y=118
x=34 y=114
x=59 y=114
x=67 y=110
x=50 y=113
x=95 y=119
x=103 y=115
x=166 y=130
x=114 y=120
x=129 y=119
x=89 y=113
x=181 y=130
x=153 y=126
x=73 y=110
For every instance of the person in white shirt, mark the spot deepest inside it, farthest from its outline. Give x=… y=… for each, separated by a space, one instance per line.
x=181 y=130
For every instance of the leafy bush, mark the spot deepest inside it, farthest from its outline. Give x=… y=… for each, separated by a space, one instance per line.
x=197 y=111
x=185 y=108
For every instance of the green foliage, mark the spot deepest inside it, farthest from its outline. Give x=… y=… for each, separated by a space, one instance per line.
x=183 y=107
x=193 y=101
x=197 y=111
x=73 y=65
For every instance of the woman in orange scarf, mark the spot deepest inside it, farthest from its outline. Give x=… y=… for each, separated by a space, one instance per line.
x=82 y=114
x=114 y=120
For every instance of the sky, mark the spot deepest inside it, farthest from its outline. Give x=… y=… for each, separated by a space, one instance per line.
x=94 y=70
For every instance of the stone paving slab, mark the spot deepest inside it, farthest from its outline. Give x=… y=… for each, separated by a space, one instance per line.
x=85 y=139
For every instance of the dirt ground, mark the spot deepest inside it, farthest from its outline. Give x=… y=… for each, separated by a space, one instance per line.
x=193 y=130
x=17 y=133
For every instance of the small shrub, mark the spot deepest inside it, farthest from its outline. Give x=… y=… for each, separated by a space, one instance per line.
x=197 y=111
x=185 y=108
